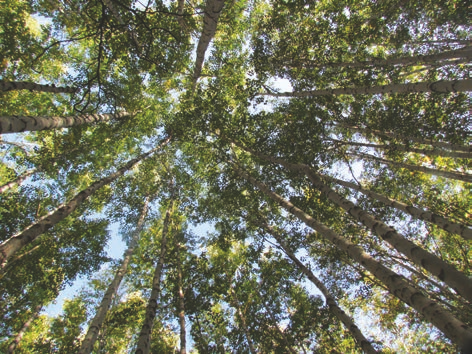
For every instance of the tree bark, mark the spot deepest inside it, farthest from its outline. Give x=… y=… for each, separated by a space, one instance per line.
x=12 y=245
x=23 y=85
x=100 y=314
x=399 y=147
x=183 y=334
x=436 y=266
x=17 y=181
x=14 y=124
x=437 y=144
x=180 y=13
x=417 y=213
x=398 y=286
x=437 y=87
x=356 y=333
x=431 y=171
x=144 y=340
x=210 y=20
x=465 y=52
x=14 y=344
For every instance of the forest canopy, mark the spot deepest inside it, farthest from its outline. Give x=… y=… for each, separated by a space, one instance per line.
x=287 y=176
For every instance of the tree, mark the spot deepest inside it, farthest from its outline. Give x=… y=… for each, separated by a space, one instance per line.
x=330 y=215
x=7 y=86
x=144 y=340
x=9 y=247
x=97 y=321
x=21 y=124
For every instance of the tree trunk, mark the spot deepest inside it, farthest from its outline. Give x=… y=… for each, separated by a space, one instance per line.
x=16 y=124
x=417 y=213
x=183 y=334
x=454 y=329
x=463 y=53
x=436 y=266
x=17 y=181
x=100 y=314
x=399 y=147
x=438 y=87
x=437 y=144
x=431 y=171
x=356 y=333
x=12 y=245
x=210 y=20
x=180 y=13
x=144 y=340
x=23 y=85
x=14 y=344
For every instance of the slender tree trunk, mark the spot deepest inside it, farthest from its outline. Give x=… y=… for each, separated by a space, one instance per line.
x=180 y=13
x=454 y=329
x=463 y=53
x=438 y=86
x=15 y=243
x=23 y=85
x=356 y=333
x=417 y=213
x=399 y=147
x=210 y=20
x=144 y=340
x=16 y=124
x=437 y=144
x=436 y=266
x=183 y=334
x=17 y=181
x=431 y=171
x=14 y=344
x=100 y=314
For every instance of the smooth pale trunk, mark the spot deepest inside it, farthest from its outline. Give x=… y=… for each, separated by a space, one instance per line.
x=436 y=266
x=97 y=322
x=180 y=12
x=15 y=243
x=454 y=329
x=431 y=171
x=144 y=341
x=14 y=344
x=462 y=53
x=397 y=147
x=415 y=212
x=20 y=124
x=31 y=86
x=444 y=271
x=437 y=144
x=183 y=344
x=356 y=333
x=210 y=20
x=437 y=87
x=17 y=181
